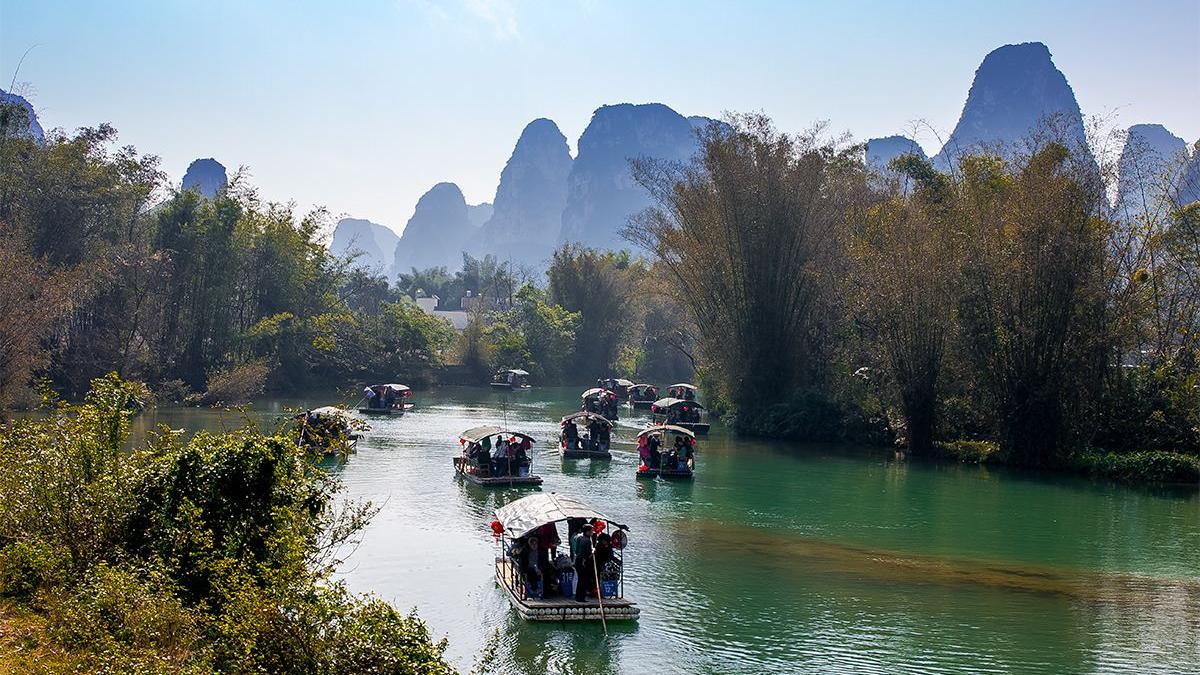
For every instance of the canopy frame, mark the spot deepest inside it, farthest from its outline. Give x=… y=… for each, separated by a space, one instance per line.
x=523 y=516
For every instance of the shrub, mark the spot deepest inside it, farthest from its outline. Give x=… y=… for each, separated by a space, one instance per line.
x=1150 y=466
x=969 y=452
x=26 y=567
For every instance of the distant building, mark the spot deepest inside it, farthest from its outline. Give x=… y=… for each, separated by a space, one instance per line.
x=428 y=304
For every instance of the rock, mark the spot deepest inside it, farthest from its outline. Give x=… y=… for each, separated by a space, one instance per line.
x=881 y=151
x=18 y=118
x=206 y=176
x=1189 y=186
x=436 y=234
x=479 y=214
x=1150 y=168
x=375 y=244
x=601 y=192
x=1017 y=90
x=530 y=197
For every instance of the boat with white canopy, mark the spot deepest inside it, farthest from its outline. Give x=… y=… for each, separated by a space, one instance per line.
x=494 y=456
x=583 y=581
x=592 y=444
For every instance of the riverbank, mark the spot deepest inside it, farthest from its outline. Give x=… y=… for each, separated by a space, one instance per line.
x=213 y=554
x=1151 y=467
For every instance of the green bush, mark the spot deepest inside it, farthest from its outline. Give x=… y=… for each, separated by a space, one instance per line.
x=968 y=452
x=26 y=567
x=1151 y=466
x=213 y=555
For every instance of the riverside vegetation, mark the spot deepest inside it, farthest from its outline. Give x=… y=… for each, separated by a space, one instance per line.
x=212 y=555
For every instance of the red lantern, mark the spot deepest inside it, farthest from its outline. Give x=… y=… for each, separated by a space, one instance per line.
x=599 y=526
x=497 y=528
x=462 y=441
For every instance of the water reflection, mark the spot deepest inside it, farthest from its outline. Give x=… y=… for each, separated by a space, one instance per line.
x=779 y=557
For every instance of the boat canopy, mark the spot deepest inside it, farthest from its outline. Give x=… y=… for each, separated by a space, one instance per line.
x=324 y=411
x=590 y=416
x=525 y=515
x=515 y=371
x=662 y=428
x=685 y=385
x=640 y=386
x=398 y=388
x=669 y=402
x=619 y=381
x=479 y=433
x=594 y=391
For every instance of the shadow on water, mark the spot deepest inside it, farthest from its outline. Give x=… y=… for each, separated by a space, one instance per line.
x=787 y=551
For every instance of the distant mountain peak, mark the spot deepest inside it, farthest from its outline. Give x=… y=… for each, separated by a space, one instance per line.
x=601 y=192
x=438 y=232
x=17 y=117
x=881 y=151
x=527 y=210
x=1016 y=89
x=206 y=176
x=372 y=244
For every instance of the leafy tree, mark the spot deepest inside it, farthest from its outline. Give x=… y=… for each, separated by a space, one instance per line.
x=598 y=285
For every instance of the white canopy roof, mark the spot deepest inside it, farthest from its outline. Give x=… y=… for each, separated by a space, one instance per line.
x=594 y=391
x=521 y=517
x=479 y=433
x=669 y=402
x=685 y=385
x=663 y=428
x=589 y=415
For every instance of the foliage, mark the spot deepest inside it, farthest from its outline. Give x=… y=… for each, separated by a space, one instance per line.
x=748 y=234
x=1151 y=408
x=211 y=555
x=1152 y=466
x=967 y=452
x=598 y=286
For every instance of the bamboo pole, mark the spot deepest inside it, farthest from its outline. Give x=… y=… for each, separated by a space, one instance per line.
x=596 y=579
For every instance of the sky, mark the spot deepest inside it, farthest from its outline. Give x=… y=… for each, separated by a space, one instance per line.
x=361 y=106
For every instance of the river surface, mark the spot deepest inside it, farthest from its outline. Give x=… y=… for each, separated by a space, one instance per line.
x=779 y=557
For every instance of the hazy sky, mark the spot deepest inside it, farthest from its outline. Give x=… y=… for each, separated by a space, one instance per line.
x=362 y=106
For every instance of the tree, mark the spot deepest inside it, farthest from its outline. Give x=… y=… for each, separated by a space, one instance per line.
x=1032 y=313
x=748 y=234
x=905 y=254
x=598 y=285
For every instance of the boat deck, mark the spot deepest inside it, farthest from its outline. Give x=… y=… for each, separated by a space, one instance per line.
x=494 y=481
x=563 y=609
x=382 y=411
x=584 y=454
x=664 y=473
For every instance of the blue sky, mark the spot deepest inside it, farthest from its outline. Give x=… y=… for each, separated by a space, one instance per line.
x=362 y=106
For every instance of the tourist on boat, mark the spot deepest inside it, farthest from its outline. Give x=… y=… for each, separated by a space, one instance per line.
x=500 y=459
x=652 y=445
x=526 y=554
x=571 y=434
x=594 y=433
x=602 y=437
x=643 y=451
x=585 y=574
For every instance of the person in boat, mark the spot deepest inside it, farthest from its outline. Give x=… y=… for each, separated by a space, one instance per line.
x=602 y=438
x=372 y=400
x=594 y=433
x=500 y=459
x=581 y=557
x=523 y=448
x=652 y=445
x=526 y=555
x=571 y=434
x=643 y=451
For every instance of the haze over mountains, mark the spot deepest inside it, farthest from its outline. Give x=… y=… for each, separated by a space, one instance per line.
x=546 y=197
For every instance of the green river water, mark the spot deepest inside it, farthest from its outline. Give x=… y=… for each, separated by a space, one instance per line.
x=780 y=557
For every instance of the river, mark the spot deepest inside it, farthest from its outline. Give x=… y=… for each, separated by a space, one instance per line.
x=779 y=557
